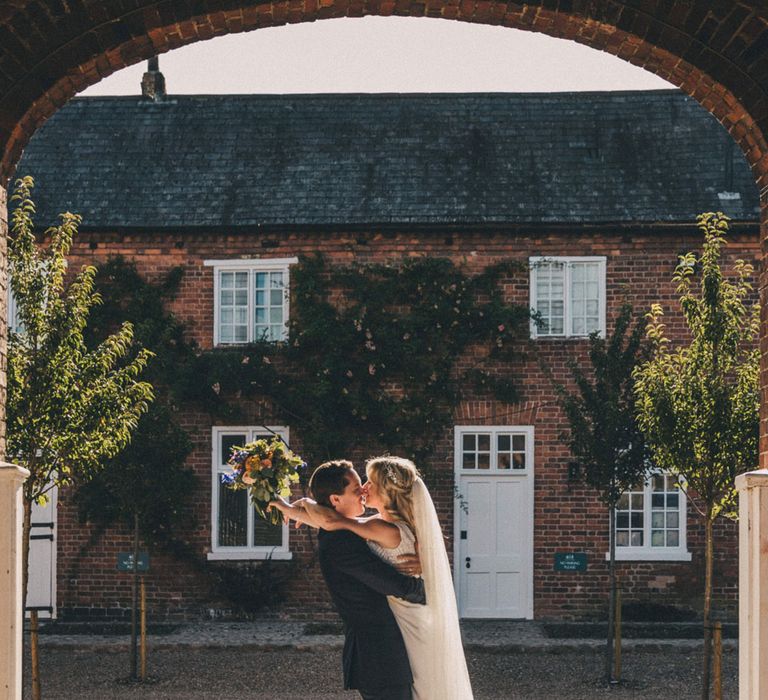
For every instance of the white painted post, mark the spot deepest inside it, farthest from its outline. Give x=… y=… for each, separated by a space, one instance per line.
x=11 y=616
x=753 y=584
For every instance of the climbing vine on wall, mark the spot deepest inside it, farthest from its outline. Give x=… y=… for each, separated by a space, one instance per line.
x=377 y=355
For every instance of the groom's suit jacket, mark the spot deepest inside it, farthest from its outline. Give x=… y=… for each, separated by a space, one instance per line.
x=374 y=652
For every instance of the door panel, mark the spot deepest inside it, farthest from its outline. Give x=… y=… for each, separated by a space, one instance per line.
x=495 y=558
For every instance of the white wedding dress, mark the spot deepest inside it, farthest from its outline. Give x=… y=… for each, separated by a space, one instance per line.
x=430 y=632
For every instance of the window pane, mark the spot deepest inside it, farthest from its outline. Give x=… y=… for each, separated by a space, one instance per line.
x=673 y=520
x=504 y=443
x=260 y=298
x=483 y=461
x=518 y=443
x=518 y=460
x=657 y=538
x=622 y=520
x=265 y=534
x=233 y=517
x=673 y=500
x=241 y=334
x=637 y=539
x=261 y=280
x=468 y=461
x=468 y=442
x=227 y=297
x=261 y=315
x=484 y=442
x=657 y=500
x=276 y=314
x=227 y=280
x=657 y=520
x=503 y=461
x=637 y=519
x=623 y=503
x=227 y=443
x=673 y=538
x=241 y=297
x=276 y=297
x=622 y=539
x=658 y=482
x=226 y=334
x=637 y=501
x=276 y=280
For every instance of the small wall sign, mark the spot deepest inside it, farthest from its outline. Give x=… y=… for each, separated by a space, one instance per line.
x=570 y=561
x=125 y=561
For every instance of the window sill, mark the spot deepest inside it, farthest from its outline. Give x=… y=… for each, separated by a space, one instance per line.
x=253 y=555
x=650 y=555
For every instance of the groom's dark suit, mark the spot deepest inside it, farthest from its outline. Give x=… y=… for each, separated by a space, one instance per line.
x=375 y=658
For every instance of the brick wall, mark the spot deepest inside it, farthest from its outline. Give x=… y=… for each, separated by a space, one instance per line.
x=567 y=517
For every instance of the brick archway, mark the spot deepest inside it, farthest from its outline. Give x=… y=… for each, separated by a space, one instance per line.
x=715 y=52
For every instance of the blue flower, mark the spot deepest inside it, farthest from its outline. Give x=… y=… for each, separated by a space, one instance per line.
x=228 y=478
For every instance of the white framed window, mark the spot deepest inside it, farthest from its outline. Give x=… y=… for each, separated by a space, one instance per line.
x=13 y=313
x=493 y=450
x=236 y=531
x=651 y=522
x=250 y=300
x=568 y=293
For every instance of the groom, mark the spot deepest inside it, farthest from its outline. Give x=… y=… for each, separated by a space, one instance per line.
x=375 y=660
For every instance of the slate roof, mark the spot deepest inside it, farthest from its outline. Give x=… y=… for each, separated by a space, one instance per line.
x=357 y=159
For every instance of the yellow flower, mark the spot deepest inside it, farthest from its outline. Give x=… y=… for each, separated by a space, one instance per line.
x=252 y=464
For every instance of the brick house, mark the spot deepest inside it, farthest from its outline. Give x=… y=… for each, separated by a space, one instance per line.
x=596 y=193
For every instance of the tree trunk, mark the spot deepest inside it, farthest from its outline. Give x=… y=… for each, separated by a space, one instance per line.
x=709 y=555
x=134 y=594
x=611 y=594
x=26 y=528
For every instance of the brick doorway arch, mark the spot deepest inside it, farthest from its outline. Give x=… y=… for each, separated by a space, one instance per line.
x=715 y=51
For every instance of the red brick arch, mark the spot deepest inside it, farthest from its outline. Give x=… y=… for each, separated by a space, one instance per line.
x=714 y=50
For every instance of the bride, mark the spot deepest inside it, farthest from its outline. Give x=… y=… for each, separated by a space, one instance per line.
x=407 y=520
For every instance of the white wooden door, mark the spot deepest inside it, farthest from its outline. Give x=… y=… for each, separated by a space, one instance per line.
x=494 y=533
x=41 y=591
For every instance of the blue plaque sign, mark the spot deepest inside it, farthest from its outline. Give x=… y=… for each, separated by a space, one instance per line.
x=570 y=561
x=125 y=561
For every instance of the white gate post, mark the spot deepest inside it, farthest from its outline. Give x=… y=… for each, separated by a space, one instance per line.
x=753 y=584
x=11 y=616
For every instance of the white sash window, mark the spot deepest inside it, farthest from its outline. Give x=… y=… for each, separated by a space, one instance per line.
x=250 y=300
x=568 y=294
x=236 y=531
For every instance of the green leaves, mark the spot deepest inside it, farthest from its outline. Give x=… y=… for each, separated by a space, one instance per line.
x=698 y=403
x=68 y=407
x=604 y=435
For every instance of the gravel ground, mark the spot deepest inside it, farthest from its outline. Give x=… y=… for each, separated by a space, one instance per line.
x=197 y=674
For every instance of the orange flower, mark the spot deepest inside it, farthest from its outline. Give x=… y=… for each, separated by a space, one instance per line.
x=252 y=464
x=266 y=463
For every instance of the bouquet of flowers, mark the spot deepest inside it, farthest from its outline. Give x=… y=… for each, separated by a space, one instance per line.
x=267 y=468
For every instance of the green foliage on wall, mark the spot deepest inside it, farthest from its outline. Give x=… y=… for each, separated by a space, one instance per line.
x=149 y=477
x=377 y=355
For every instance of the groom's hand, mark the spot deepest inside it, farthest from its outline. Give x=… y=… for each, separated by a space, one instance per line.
x=409 y=564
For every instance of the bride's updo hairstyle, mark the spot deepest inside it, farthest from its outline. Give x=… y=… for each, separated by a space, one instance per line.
x=395 y=477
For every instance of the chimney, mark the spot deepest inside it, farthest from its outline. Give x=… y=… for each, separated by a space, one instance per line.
x=153 y=82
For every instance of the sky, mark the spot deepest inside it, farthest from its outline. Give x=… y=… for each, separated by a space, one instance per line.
x=385 y=54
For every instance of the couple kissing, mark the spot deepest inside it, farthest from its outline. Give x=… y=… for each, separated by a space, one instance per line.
x=402 y=637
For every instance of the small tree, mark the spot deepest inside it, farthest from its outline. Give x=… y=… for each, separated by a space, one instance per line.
x=698 y=404
x=68 y=407
x=603 y=432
